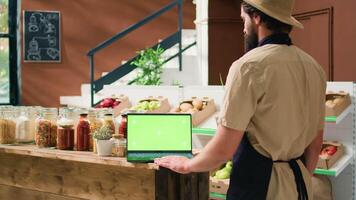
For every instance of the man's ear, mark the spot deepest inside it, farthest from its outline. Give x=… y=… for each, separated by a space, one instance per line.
x=256 y=19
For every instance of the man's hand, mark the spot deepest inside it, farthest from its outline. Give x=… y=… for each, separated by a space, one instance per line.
x=175 y=163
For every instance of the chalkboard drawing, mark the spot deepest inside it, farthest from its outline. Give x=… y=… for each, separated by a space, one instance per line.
x=33 y=26
x=53 y=53
x=50 y=28
x=42 y=36
x=34 y=52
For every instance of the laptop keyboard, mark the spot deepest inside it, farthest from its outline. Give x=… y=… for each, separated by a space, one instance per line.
x=133 y=156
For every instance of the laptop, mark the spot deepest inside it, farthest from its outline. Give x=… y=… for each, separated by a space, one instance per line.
x=151 y=136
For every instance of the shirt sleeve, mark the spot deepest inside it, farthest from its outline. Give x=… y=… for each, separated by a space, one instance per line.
x=243 y=90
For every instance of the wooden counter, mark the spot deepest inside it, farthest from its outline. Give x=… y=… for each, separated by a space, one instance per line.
x=30 y=173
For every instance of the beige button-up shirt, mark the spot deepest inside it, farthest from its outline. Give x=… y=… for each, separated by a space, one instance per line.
x=277 y=94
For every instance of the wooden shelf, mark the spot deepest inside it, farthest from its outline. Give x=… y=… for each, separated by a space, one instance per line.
x=339 y=166
x=80 y=156
x=338 y=119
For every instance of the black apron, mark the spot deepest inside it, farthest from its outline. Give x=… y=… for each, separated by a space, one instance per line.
x=251 y=171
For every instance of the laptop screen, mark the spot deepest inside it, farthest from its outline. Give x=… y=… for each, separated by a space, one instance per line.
x=159 y=132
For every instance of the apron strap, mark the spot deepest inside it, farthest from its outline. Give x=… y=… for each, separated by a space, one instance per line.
x=298 y=177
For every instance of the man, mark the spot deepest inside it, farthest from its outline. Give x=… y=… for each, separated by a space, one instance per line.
x=272 y=113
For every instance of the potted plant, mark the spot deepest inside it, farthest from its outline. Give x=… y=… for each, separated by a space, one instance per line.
x=149 y=63
x=102 y=138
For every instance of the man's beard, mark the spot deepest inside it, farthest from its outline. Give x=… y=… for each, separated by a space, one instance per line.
x=251 y=41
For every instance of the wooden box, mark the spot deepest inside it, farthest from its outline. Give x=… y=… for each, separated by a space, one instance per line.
x=326 y=162
x=219 y=186
x=336 y=103
x=125 y=103
x=200 y=113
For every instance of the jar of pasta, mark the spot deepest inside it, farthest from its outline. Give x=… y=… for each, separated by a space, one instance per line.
x=7 y=127
x=46 y=128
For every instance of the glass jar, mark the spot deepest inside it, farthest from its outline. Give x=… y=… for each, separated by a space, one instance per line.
x=7 y=127
x=32 y=115
x=83 y=133
x=46 y=128
x=95 y=124
x=108 y=120
x=65 y=131
x=23 y=126
x=119 y=145
x=123 y=125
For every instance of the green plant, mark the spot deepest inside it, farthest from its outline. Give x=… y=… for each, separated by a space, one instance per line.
x=103 y=133
x=150 y=64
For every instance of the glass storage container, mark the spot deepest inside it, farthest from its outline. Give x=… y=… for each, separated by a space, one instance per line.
x=65 y=131
x=95 y=124
x=23 y=126
x=7 y=127
x=119 y=145
x=83 y=133
x=46 y=128
x=108 y=120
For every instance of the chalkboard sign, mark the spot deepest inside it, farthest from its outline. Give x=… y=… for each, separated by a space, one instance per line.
x=41 y=36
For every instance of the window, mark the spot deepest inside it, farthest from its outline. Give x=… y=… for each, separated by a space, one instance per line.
x=8 y=52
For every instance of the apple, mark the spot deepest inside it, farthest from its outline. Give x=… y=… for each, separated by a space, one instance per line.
x=107 y=102
x=328 y=151
x=116 y=103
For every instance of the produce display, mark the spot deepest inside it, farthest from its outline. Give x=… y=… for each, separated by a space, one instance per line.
x=201 y=109
x=109 y=103
x=224 y=173
x=190 y=106
x=336 y=103
x=116 y=103
x=151 y=104
x=147 y=105
x=328 y=151
x=220 y=179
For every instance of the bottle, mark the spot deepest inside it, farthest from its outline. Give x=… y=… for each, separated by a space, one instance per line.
x=83 y=133
x=46 y=128
x=65 y=131
x=123 y=125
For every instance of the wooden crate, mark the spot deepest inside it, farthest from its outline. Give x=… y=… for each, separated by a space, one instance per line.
x=327 y=163
x=125 y=103
x=219 y=186
x=336 y=103
x=198 y=116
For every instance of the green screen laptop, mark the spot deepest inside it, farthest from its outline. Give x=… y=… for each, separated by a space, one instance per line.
x=151 y=136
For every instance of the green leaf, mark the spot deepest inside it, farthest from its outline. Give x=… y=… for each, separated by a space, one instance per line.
x=150 y=61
